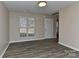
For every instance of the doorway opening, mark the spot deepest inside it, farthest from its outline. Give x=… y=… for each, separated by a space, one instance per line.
x=56 y=24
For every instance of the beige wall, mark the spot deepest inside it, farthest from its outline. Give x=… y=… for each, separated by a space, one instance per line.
x=14 y=23
x=4 y=28
x=69 y=26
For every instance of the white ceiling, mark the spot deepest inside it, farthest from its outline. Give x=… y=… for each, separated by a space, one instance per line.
x=31 y=6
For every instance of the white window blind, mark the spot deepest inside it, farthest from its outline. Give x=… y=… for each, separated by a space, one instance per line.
x=27 y=26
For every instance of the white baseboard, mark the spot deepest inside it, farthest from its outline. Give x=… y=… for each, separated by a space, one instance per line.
x=68 y=46
x=27 y=40
x=4 y=51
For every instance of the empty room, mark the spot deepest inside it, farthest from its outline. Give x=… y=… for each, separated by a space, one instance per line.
x=39 y=29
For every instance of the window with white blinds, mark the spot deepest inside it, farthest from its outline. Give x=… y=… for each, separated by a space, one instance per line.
x=27 y=26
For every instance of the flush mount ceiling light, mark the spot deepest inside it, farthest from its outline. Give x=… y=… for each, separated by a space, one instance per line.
x=42 y=3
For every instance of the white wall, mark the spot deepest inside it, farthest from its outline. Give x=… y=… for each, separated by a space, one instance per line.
x=14 y=29
x=14 y=26
x=69 y=26
x=4 y=28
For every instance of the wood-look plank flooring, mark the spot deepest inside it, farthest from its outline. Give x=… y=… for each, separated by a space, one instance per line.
x=48 y=48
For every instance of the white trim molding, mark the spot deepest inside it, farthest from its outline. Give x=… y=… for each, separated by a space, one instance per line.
x=28 y=40
x=68 y=46
x=4 y=51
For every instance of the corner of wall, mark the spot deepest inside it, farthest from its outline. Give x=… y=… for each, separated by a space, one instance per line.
x=4 y=51
x=68 y=46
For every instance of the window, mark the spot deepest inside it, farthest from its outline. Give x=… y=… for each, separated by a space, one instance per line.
x=31 y=26
x=27 y=26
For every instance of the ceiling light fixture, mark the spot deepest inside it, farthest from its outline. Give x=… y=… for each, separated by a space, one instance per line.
x=42 y=3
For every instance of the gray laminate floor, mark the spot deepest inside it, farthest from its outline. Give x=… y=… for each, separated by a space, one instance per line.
x=48 y=48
